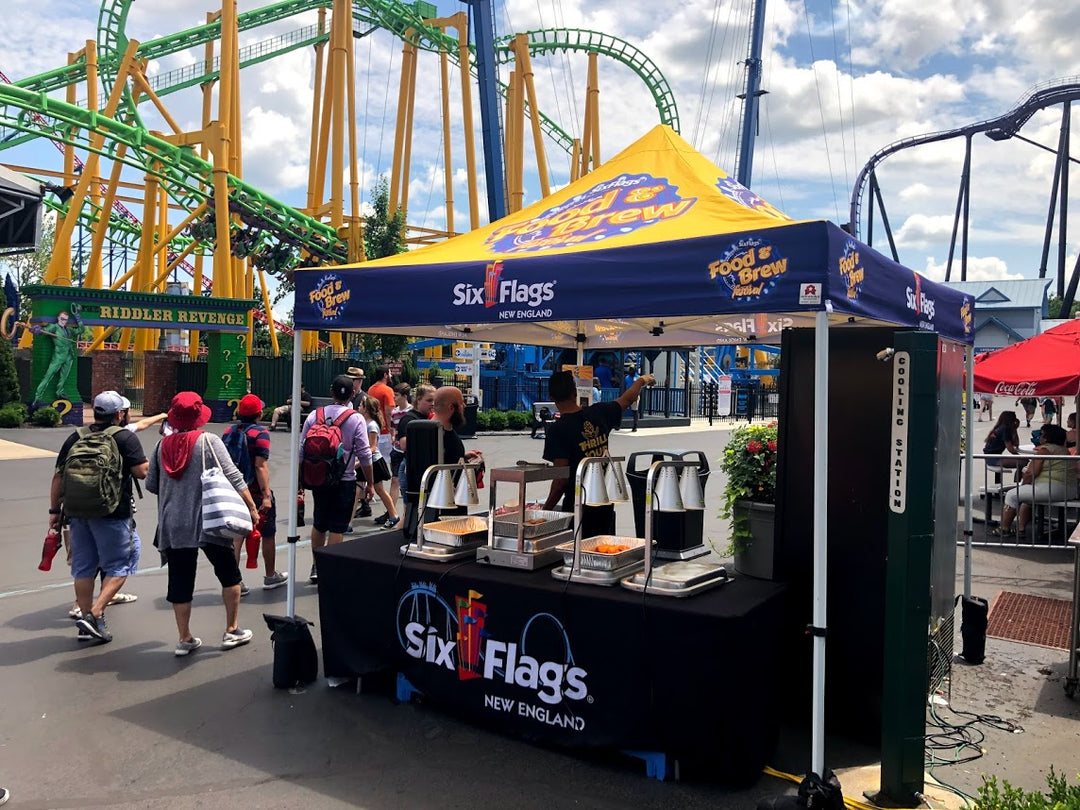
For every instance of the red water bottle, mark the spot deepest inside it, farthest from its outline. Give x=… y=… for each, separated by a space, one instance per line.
x=300 y=509
x=252 y=543
x=49 y=549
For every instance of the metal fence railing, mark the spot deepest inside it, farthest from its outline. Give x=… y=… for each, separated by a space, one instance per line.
x=1051 y=513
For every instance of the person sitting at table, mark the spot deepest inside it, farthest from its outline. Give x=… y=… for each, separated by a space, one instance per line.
x=286 y=409
x=1003 y=437
x=1070 y=433
x=1044 y=480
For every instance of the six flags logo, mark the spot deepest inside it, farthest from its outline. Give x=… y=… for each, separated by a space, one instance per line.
x=473 y=653
x=496 y=290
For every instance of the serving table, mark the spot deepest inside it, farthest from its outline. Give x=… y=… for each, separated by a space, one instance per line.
x=692 y=680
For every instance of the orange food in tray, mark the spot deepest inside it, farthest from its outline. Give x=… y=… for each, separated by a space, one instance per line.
x=610 y=548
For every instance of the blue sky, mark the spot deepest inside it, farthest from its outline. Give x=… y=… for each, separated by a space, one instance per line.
x=843 y=80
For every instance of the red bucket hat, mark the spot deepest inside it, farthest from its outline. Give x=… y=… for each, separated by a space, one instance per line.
x=187 y=411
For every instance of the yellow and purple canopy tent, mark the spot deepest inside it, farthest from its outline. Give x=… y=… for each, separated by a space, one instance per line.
x=656 y=247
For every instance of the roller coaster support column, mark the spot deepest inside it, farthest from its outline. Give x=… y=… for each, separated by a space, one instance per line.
x=93 y=276
x=59 y=268
x=745 y=169
x=484 y=38
x=524 y=65
x=57 y=271
x=590 y=143
x=460 y=23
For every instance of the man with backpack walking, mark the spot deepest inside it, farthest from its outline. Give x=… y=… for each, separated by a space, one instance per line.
x=248 y=444
x=333 y=446
x=92 y=487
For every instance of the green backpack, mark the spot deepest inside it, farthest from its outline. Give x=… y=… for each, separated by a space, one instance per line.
x=93 y=473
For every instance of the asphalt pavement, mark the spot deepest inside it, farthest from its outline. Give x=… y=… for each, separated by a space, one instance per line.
x=129 y=725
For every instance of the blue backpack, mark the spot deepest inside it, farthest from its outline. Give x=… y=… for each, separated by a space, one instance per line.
x=235 y=441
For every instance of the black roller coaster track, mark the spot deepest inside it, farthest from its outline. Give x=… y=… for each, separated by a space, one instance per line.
x=1002 y=128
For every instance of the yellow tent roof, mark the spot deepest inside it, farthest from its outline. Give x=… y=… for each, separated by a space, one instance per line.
x=658 y=189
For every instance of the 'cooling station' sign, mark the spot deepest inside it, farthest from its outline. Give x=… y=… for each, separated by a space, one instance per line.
x=898 y=446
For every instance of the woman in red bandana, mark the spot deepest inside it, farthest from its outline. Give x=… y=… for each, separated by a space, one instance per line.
x=175 y=474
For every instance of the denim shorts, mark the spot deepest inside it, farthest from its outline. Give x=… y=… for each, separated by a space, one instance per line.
x=111 y=544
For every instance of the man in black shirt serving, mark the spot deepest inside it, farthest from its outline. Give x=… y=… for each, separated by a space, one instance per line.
x=581 y=432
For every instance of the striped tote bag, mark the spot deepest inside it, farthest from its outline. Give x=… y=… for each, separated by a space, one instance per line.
x=224 y=513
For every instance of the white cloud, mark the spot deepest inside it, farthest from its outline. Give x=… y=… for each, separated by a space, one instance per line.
x=985 y=268
x=873 y=73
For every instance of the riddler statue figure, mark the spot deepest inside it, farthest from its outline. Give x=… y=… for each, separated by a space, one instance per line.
x=65 y=342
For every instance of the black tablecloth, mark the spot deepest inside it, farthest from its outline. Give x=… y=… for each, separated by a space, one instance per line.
x=577 y=665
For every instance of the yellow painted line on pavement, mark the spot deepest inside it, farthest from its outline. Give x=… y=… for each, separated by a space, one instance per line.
x=11 y=451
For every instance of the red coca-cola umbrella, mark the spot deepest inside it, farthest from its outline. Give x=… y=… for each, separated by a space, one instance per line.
x=1046 y=365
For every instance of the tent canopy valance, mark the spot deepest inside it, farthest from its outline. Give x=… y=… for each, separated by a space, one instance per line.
x=656 y=247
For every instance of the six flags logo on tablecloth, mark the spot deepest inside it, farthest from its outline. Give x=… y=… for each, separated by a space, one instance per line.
x=457 y=639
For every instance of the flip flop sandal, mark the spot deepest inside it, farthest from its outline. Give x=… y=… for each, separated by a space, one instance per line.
x=123 y=599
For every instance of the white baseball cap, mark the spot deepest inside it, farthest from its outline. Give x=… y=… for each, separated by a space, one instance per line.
x=108 y=402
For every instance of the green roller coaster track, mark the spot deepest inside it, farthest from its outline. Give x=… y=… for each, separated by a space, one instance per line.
x=27 y=112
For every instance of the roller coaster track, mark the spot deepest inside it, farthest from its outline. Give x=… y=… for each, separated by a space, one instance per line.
x=398 y=18
x=1001 y=128
x=27 y=112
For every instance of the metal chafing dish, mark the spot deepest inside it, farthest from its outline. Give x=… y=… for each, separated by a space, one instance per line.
x=677 y=579
x=513 y=542
x=538 y=522
x=456 y=531
x=453 y=538
x=605 y=561
x=601 y=568
x=684 y=578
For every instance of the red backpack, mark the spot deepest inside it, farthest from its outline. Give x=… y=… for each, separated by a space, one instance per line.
x=325 y=461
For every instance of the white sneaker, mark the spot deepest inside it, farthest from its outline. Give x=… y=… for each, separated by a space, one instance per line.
x=185 y=647
x=235 y=638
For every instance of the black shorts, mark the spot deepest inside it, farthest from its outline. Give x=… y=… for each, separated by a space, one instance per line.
x=268 y=524
x=333 y=507
x=183 y=562
x=396 y=457
x=379 y=471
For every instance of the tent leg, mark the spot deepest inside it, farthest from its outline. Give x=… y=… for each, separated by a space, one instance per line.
x=969 y=464
x=294 y=469
x=820 y=526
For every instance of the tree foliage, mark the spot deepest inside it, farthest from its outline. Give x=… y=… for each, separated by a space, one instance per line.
x=384 y=233
x=9 y=377
x=1053 y=305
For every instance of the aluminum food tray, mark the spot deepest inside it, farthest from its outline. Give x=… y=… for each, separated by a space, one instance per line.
x=596 y=561
x=530 y=545
x=507 y=525
x=457 y=531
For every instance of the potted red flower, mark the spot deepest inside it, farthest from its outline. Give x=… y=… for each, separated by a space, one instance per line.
x=749 y=462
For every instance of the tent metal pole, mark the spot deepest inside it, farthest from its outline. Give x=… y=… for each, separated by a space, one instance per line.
x=969 y=463
x=820 y=527
x=294 y=468
x=580 y=340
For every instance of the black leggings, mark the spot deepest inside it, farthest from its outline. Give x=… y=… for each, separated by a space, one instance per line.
x=182 y=563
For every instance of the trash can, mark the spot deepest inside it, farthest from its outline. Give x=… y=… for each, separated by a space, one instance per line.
x=678 y=535
x=472 y=405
